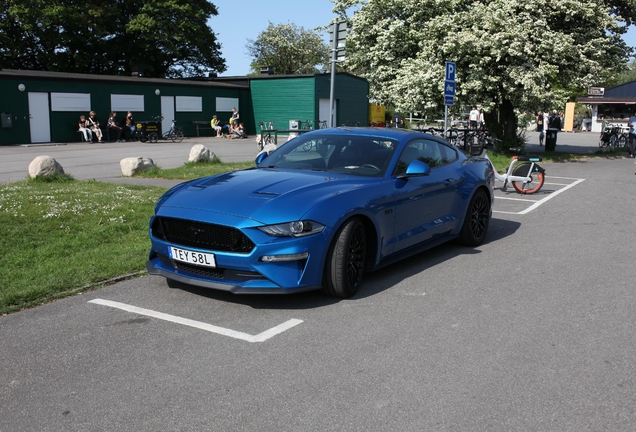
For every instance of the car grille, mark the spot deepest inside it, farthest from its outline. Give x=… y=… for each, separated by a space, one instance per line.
x=210 y=272
x=215 y=273
x=201 y=235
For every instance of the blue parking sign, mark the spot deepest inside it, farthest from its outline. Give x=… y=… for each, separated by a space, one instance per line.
x=450 y=71
x=449 y=88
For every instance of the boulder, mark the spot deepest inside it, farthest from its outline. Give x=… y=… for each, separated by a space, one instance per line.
x=200 y=153
x=44 y=166
x=134 y=165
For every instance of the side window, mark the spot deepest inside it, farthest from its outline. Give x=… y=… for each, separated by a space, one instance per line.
x=430 y=152
x=409 y=154
x=449 y=154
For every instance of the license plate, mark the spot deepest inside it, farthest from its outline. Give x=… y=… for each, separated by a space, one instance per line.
x=191 y=257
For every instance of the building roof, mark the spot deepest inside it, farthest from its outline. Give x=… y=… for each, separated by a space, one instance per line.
x=245 y=80
x=624 y=93
x=68 y=76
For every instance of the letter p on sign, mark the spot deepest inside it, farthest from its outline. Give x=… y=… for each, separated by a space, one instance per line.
x=450 y=71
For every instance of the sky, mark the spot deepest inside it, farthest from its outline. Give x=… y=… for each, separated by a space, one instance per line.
x=240 y=20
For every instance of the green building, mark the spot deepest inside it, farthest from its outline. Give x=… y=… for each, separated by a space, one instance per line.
x=42 y=107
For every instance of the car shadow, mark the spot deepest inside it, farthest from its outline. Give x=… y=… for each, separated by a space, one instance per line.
x=390 y=276
x=292 y=301
x=373 y=283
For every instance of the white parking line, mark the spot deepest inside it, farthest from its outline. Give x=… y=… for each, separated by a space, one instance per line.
x=516 y=199
x=261 y=337
x=541 y=201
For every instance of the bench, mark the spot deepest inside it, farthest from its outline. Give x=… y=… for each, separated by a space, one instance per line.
x=104 y=134
x=202 y=125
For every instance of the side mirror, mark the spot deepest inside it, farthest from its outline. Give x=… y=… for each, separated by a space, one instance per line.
x=416 y=168
x=261 y=157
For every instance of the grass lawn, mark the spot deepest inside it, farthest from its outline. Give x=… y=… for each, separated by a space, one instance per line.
x=63 y=236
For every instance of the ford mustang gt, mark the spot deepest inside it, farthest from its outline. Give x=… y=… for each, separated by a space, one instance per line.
x=320 y=211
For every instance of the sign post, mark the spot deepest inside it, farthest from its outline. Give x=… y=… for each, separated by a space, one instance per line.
x=449 y=91
x=338 y=37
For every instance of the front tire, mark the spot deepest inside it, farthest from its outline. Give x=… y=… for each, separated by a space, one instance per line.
x=477 y=220
x=345 y=261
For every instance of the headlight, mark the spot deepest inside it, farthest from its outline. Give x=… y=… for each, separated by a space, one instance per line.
x=293 y=229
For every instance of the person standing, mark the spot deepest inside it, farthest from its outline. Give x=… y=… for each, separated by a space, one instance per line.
x=397 y=120
x=473 y=118
x=235 y=116
x=554 y=121
x=482 y=121
x=632 y=135
x=540 y=127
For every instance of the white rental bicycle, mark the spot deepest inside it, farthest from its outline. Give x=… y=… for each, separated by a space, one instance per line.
x=524 y=172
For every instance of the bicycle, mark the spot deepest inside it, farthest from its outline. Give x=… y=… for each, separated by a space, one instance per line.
x=175 y=134
x=266 y=135
x=524 y=173
x=613 y=137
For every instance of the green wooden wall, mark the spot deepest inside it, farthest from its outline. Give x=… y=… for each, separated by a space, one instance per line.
x=351 y=95
x=63 y=124
x=277 y=99
x=280 y=100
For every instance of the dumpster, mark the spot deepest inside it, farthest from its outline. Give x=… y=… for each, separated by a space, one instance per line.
x=551 y=139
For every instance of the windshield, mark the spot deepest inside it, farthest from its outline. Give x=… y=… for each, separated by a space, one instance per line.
x=351 y=154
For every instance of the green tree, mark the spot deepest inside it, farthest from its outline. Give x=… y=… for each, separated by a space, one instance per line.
x=628 y=75
x=512 y=55
x=289 y=49
x=168 y=38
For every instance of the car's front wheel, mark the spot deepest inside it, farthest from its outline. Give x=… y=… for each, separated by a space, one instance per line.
x=477 y=220
x=345 y=261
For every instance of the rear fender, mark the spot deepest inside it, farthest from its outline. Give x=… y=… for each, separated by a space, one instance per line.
x=524 y=169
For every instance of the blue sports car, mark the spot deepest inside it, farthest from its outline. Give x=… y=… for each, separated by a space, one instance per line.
x=320 y=211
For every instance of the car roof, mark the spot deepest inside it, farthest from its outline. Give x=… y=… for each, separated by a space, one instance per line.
x=391 y=133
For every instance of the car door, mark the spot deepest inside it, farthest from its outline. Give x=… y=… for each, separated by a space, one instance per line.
x=425 y=206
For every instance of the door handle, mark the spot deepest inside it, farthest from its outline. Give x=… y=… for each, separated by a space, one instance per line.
x=449 y=181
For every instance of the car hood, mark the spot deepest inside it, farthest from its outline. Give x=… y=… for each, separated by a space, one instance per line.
x=264 y=195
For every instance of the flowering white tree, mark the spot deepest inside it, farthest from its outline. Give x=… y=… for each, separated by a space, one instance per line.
x=511 y=55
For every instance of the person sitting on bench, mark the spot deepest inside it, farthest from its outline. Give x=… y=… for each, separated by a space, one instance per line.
x=216 y=125
x=83 y=128
x=93 y=125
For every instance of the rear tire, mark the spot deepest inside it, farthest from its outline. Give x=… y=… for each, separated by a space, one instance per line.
x=153 y=137
x=177 y=136
x=535 y=184
x=344 y=266
x=477 y=220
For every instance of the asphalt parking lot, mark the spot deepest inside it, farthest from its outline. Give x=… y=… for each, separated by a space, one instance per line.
x=533 y=330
